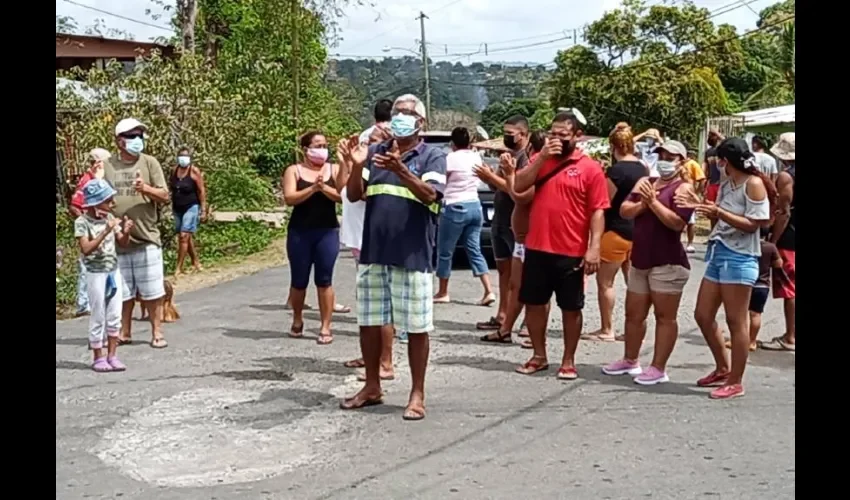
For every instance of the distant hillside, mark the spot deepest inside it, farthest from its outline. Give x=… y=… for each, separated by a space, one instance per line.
x=454 y=86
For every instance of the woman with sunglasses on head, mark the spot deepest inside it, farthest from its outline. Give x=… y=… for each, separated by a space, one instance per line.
x=660 y=267
x=732 y=261
x=312 y=189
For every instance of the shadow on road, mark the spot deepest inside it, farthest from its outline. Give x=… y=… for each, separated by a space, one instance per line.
x=302 y=364
x=72 y=365
x=479 y=363
x=266 y=375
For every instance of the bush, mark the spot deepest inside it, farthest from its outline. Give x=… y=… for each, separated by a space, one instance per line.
x=239 y=190
x=215 y=241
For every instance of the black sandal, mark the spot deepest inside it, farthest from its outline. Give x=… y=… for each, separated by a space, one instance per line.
x=491 y=324
x=500 y=338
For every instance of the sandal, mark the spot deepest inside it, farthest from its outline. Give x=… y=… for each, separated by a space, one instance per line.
x=355 y=404
x=341 y=309
x=531 y=367
x=488 y=300
x=526 y=344
x=413 y=413
x=116 y=364
x=159 y=343
x=491 y=324
x=355 y=363
x=753 y=345
x=598 y=337
x=778 y=344
x=124 y=341
x=361 y=377
x=567 y=373
x=101 y=366
x=296 y=332
x=497 y=337
x=325 y=339
x=445 y=299
x=523 y=330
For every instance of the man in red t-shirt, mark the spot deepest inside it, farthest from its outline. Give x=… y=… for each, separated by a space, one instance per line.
x=562 y=246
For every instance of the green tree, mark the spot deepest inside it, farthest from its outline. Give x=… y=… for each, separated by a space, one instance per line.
x=493 y=117
x=653 y=67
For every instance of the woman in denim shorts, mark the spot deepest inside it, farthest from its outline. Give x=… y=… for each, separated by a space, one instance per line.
x=732 y=268
x=189 y=202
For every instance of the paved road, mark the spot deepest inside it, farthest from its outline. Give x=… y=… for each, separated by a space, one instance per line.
x=233 y=409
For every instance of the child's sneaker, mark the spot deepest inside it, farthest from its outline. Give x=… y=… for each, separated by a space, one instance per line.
x=652 y=376
x=100 y=365
x=622 y=367
x=116 y=364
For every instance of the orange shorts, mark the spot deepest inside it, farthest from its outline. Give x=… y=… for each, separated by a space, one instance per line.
x=614 y=248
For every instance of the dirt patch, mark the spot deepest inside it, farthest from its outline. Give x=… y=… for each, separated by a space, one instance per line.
x=229 y=269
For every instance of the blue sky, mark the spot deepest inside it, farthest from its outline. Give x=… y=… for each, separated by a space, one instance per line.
x=455 y=31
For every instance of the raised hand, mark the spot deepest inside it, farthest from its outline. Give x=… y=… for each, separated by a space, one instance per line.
x=552 y=147
x=508 y=163
x=687 y=199
x=483 y=172
x=128 y=224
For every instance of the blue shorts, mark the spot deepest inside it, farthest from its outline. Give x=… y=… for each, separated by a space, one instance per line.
x=187 y=221
x=730 y=268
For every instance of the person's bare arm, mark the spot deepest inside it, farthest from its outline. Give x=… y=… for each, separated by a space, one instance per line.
x=632 y=208
x=522 y=198
x=89 y=245
x=291 y=195
x=421 y=189
x=526 y=177
x=332 y=193
x=668 y=217
x=198 y=177
x=785 y=189
x=356 y=185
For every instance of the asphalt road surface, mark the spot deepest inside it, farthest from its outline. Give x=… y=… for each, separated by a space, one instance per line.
x=233 y=409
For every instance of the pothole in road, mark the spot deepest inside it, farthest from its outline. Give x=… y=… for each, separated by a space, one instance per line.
x=221 y=436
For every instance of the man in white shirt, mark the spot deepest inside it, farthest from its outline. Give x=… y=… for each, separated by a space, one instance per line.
x=764 y=161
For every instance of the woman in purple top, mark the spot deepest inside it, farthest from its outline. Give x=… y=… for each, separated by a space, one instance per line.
x=659 y=272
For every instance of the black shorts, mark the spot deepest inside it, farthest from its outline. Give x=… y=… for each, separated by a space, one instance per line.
x=502 y=238
x=546 y=273
x=758 y=299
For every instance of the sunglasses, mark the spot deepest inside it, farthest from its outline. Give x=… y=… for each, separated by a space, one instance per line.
x=132 y=135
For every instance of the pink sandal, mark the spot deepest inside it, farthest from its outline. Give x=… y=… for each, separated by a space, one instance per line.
x=101 y=366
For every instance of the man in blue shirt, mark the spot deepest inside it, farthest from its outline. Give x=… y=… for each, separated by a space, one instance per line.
x=403 y=180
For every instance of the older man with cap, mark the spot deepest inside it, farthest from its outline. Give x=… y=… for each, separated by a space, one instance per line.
x=97 y=157
x=403 y=179
x=784 y=236
x=140 y=186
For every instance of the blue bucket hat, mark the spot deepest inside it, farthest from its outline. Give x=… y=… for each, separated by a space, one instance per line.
x=96 y=191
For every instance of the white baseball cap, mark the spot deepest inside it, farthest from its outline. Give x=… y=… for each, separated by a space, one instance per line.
x=128 y=124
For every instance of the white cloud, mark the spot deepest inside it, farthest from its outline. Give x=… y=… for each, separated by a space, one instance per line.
x=453 y=28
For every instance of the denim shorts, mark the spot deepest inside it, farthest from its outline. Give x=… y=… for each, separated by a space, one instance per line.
x=727 y=267
x=187 y=221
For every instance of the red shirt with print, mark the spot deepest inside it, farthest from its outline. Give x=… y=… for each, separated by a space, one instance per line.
x=77 y=199
x=562 y=207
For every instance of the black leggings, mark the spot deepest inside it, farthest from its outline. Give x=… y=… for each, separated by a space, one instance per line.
x=312 y=247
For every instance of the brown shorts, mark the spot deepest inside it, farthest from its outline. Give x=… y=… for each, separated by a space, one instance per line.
x=662 y=279
x=614 y=248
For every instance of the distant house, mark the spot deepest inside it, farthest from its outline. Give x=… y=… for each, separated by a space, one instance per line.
x=88 y=52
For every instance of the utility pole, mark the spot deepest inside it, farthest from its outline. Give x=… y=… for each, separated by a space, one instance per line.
x=422 y=18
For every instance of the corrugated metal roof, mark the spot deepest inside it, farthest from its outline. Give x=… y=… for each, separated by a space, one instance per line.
x=85 y=92
x=769 y=116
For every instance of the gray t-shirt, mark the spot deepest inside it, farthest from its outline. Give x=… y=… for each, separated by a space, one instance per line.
x=766 y=163
x=503 y=204
x=104 y=258
x=734 y=199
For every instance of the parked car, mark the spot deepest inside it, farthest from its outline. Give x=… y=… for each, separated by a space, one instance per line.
x=485 y=194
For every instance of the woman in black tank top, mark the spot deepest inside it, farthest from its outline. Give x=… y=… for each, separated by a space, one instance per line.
x=189 y=203
x=312 y=188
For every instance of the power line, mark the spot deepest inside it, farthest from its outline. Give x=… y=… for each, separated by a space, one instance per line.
x=397 y=26
x=119 y=16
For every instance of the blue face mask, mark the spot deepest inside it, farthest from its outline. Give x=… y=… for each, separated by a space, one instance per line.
x=184 y=161
x=403 y=125
x=134 y=146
